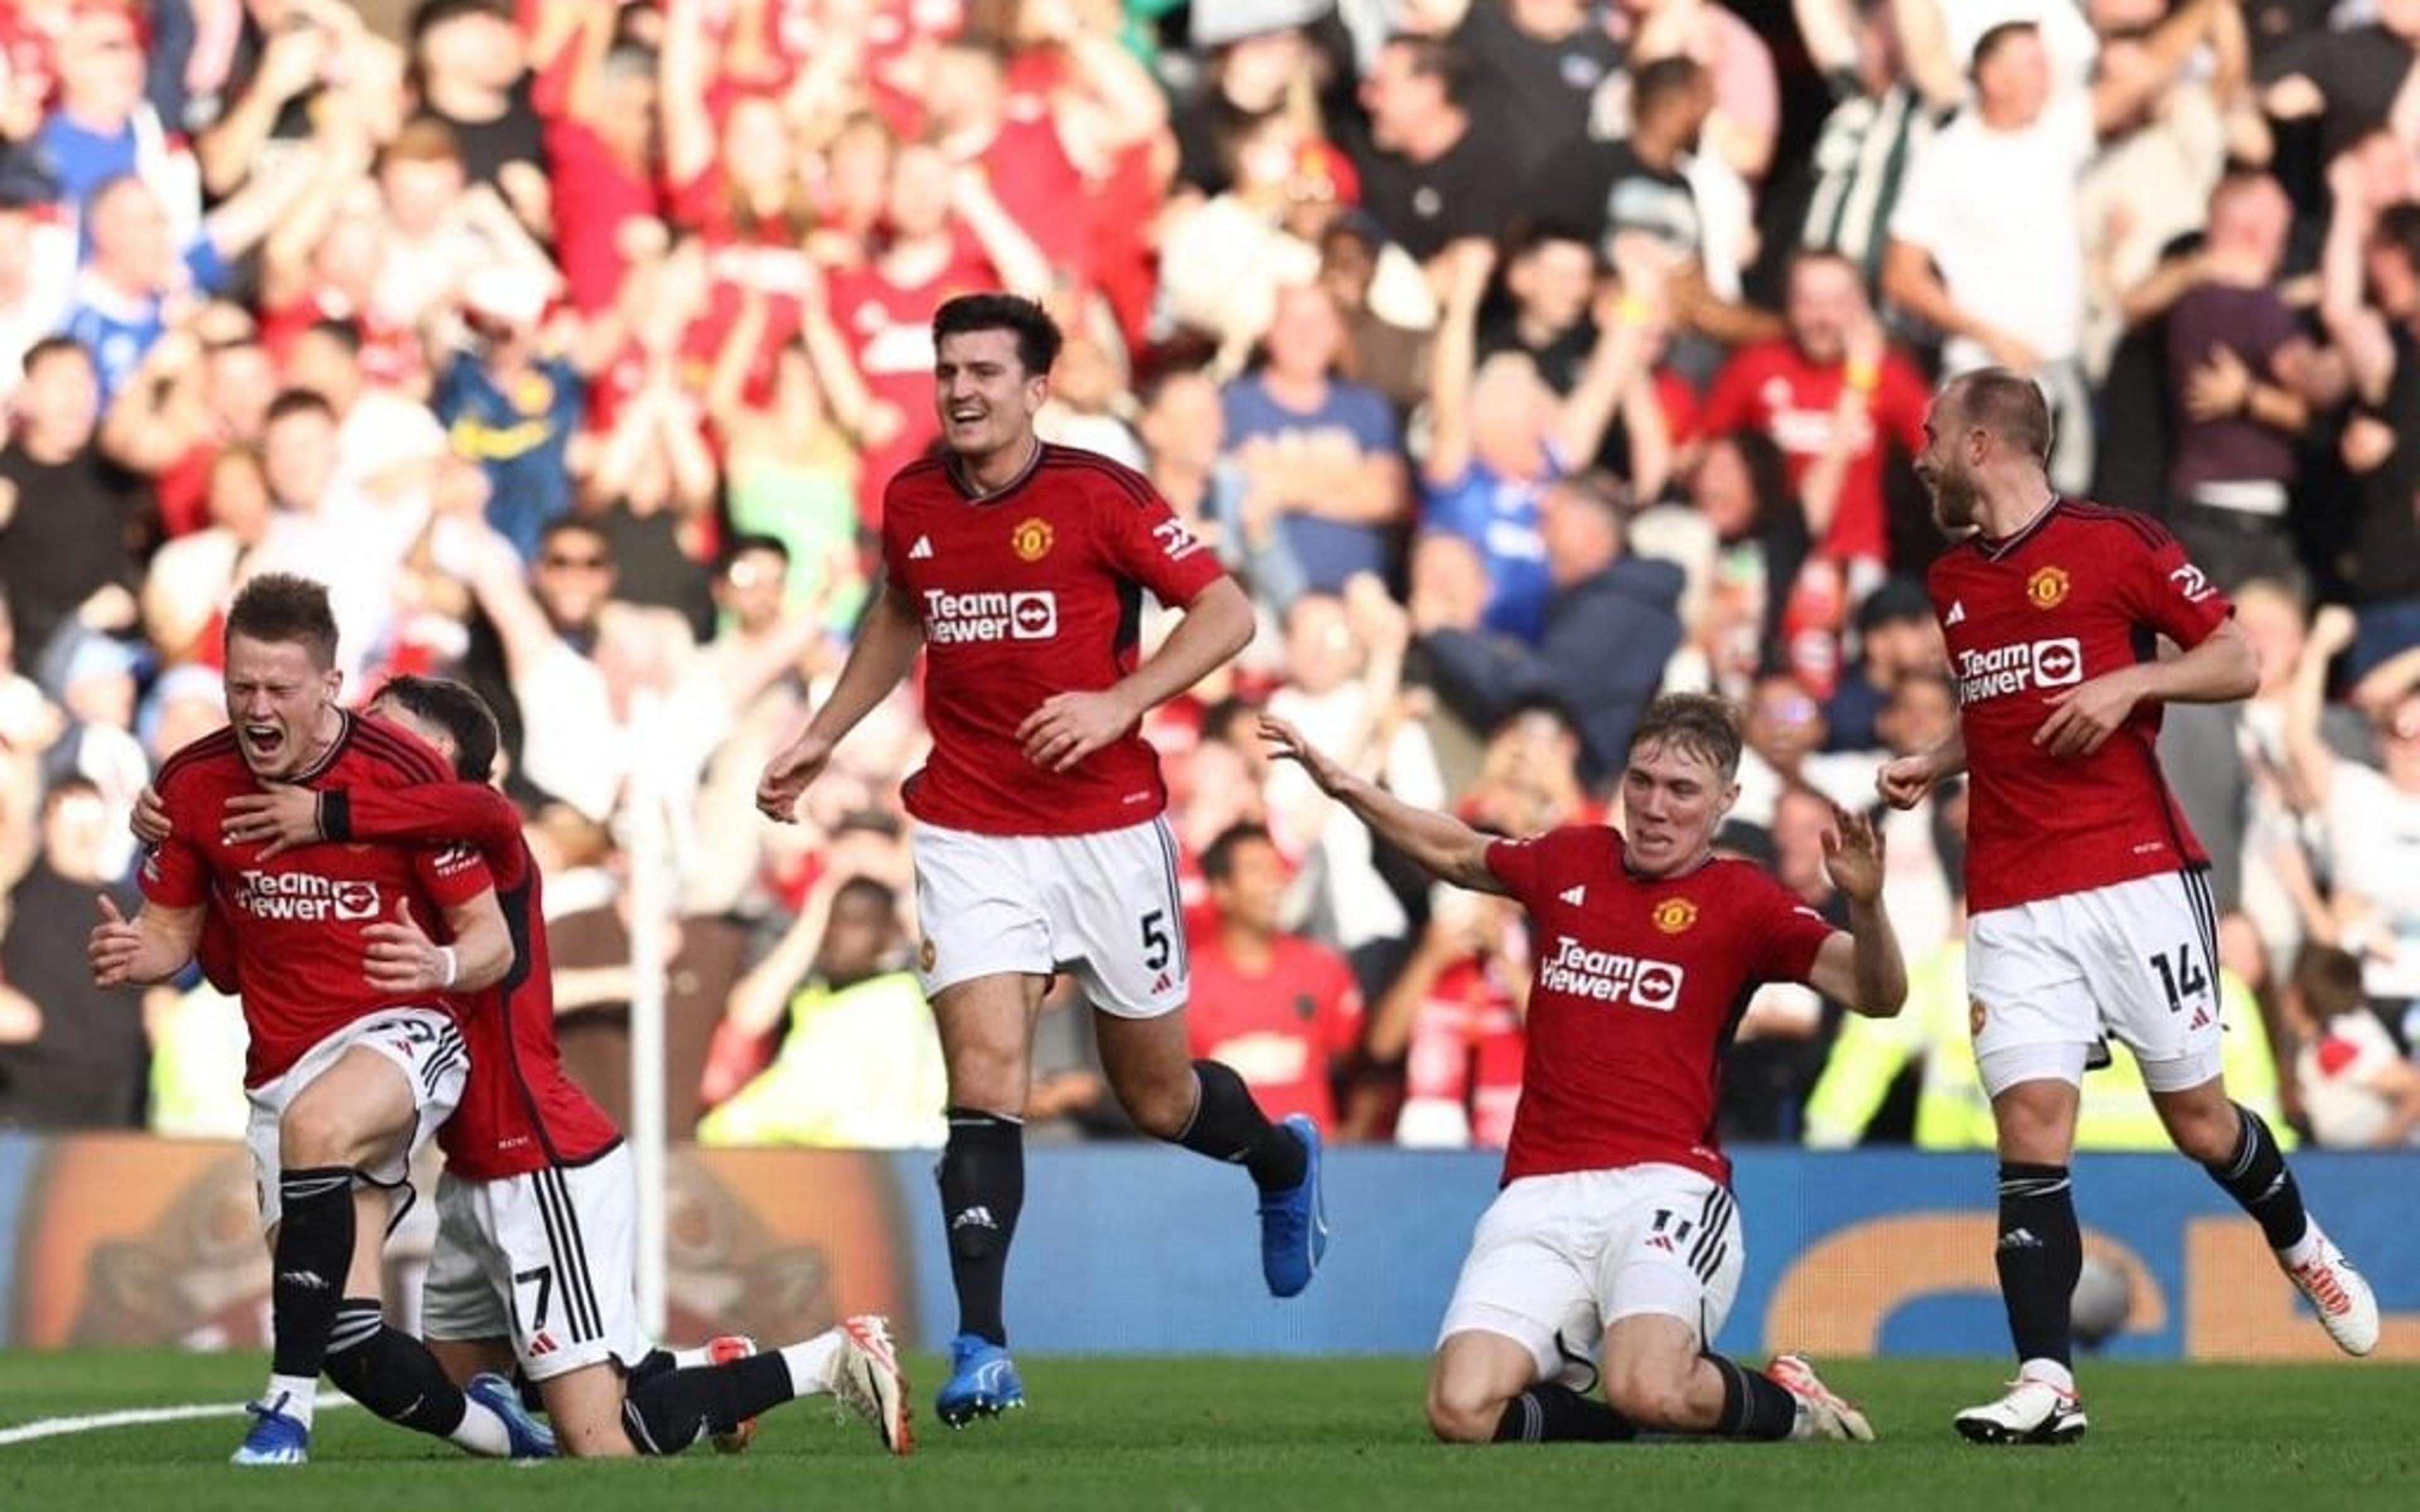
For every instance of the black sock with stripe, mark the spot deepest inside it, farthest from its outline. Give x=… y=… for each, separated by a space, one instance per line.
x=1549 y=1413
x=673 y=1409
x=2041 y=1253
x=1226 y=1125
x=390 y=1372
x=2257 y=1177
x=1753 y=1406
x=313 y=1253
x=983 y=1189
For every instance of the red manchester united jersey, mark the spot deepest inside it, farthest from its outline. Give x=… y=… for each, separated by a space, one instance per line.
x=519 y=1112
x=1636 y=987
x=2081 y=592
x=298 y=919
x=1284 y=1029
x=1023 y=594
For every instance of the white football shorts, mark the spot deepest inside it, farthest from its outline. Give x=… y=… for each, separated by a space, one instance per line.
x=1558 y=1260
x=426 y=1046
x=546 y=1260
x=2137 y=960
x=1104 y=907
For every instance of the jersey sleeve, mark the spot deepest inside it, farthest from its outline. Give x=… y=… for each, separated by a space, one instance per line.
x=1521 y=865
x=1150 y=544
x=452 y=874
x=431 y=812
x=2167 y=592
x=1791 y=934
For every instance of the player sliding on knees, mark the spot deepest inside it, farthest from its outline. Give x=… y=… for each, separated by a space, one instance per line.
x=2089 y=900
x=1616 y=1234
x=537 y=1246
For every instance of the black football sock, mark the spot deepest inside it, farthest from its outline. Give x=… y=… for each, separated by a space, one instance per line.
x=671 y=1409
x=982 y=1188
x=1549 y=1413
x=390 y=1372
x=2258 y=1179
x=2041 y=1253
x=1753 y=1406
x=1228 y=1125
x=315 y=1249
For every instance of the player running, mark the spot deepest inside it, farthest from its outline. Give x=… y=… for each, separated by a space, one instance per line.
x=1019 y=568
x=536 y=1242
x=2089 y=898
x=1616 y=1229
x=355 y=1058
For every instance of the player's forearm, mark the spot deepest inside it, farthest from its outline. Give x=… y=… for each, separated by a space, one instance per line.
x=2221 y=670
x=1949 y=758
x=470 y=812
x=169 y=936
x=482 y=947
x=1880 y=968
x=1442 y=845
x=1215 y=625
x=886 y=646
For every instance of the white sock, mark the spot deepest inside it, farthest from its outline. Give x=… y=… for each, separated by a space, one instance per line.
x=2305 y=1249
x=301 y=1392
x=690 y=1359
x=812 y=1364
x=2050 y=1373
x=482 y=1430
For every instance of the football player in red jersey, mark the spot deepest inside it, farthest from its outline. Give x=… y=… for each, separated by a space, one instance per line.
x=1616 y=1229
x=2089 y=900
x=355 y=1057
x=535 y=1260
x=1017 y=567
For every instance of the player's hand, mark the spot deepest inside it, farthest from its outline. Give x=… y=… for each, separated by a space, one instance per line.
x=111 y=948
x=1853 y=856
x=402 y=958
x=1903 y=780
x=2083 y=717
x=149 y=820
x=282 y=819
x=789 y=774
x=1286 y=743
x=1071 y=726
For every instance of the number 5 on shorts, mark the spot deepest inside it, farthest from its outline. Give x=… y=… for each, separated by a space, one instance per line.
x=1154 y=939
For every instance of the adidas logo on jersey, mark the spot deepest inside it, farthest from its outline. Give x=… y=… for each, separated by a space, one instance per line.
x=543 y=1344
x=921 y=550
x=1159 y=986
x=1957 y=614
x=2200 y=1019
x=1575 y=896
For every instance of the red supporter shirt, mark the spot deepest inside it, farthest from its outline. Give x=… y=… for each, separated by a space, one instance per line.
x=1466 y=1046
x=1027 y=592
x=2075 y=596
x=594 y=195
x=298 y=919
x=519 y=1112
x=1280 y=1030
x=889 y=328
x=1636 y=987
x=1769 y=387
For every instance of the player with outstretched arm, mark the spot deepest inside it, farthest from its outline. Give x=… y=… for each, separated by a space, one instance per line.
x=2089 y=902
x=1616 y=1234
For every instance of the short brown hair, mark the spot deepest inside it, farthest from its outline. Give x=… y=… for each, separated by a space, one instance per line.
x=2329 y=980
x=2008 y=406
x=1699 y=724
x=279 y=607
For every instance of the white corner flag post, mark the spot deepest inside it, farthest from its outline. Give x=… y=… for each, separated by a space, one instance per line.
x=650 y=840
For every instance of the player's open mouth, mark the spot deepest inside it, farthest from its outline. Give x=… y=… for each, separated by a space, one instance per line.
x=264 y=739
x=966 y=416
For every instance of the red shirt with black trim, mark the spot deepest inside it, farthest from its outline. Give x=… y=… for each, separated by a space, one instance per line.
x=1025 y=592
x=1636 y=986
x=2081 y=591
x=519 y=1112
x=1284 y=1029
x=296 y=919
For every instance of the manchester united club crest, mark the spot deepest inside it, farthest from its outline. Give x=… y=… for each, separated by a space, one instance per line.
x=1030 y=540
x=1673 y=915
x=1975 y=1017
x=2046 y=588
x=927 y=954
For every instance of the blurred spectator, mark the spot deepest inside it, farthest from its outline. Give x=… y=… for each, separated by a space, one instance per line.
x=2357 y=1088
x=38 y=258
x=1897 y=638
x=1433 y=170
x=1893 y=84
x=81 y=1064
x=1454 y=1016
x=1259 y=62
x=2350 y=78
x=1741 y=485
x=101 y=129
x=1836 y=399
x=511 y=405
x=471 y=72
x=71 y=521
x=205 y=385
x=1785 y=1031
x=1539 y=65
x=1282 y=1010
x=1610 y=628
x=1183 y=429
x=859 y=1064
x=1326 y=451
x=187 y=585
x=2370 y=300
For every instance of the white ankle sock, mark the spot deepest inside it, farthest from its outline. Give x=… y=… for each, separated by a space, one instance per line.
x=2305 y=1249
x=301 y=1392
x=482 y=1430
x=812 y=1364
x=2050 y=1373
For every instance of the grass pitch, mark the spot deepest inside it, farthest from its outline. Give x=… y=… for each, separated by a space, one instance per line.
x=1261 y=1436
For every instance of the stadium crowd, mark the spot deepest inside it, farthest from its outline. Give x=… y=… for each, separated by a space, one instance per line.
x=1523 y=358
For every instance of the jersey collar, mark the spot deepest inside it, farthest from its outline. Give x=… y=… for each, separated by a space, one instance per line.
x=965 y=485
x=1996 y=550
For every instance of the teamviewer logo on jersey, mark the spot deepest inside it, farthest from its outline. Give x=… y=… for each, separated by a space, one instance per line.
x=1032 y=616
x=1607 y=977
x=1997 y=672
x=975 y=619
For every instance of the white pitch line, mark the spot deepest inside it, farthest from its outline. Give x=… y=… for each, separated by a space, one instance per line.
x=53 y=1427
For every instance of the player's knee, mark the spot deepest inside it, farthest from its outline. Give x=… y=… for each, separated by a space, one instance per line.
x=2207 y=1132
x=1652 y=1400
x=1461 y=1413
x=1159 y=1106
x=319 y=1132
x=591 y=1436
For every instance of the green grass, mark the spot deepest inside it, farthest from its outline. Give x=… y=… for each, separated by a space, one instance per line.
x=1259 y=1436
